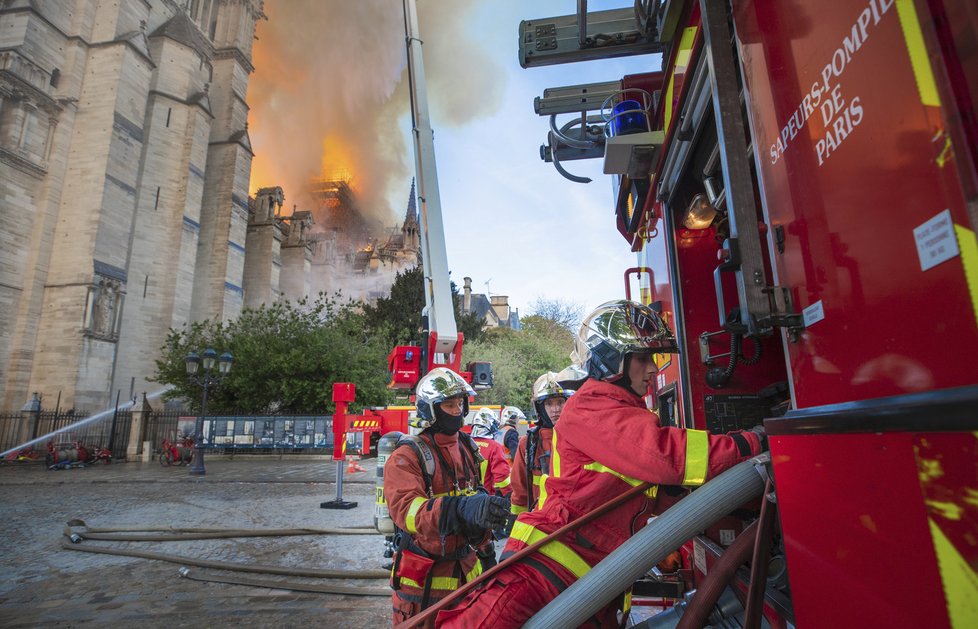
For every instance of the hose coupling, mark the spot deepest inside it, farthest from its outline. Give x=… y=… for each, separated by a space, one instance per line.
x=75 y=538
x=184 y=572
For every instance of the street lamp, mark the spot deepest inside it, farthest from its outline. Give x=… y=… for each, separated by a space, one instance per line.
x=206 y=378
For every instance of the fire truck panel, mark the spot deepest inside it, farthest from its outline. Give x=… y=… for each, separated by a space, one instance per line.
x=858 y=541
x=861 y=192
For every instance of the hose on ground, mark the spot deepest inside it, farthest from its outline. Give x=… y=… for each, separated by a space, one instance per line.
x=175 y=534
x=186 y=573
x=322 y=573
x=652 y=544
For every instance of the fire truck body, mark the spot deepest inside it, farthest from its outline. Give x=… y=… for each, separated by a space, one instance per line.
x=803 y=201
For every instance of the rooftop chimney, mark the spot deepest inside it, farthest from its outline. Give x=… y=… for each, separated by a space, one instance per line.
x=467 y=294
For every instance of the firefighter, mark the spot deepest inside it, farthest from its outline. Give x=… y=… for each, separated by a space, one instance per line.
x=511 y=435
x=440 y=509
x=495 y=469
x=607 y=442
x=532 y=460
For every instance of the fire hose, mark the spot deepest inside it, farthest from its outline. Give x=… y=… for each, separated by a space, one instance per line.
x=646 y=548
x=73 y=539
x=650 y=545
x=429 y=613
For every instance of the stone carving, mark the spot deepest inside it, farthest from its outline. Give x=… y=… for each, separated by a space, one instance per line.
x=107 y=297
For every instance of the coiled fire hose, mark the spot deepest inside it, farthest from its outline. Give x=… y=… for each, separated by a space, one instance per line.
x=76 y=531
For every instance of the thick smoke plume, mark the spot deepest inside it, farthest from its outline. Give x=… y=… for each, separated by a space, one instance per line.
x=329 y=93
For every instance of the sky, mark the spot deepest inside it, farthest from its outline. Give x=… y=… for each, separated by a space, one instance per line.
x=512 y=223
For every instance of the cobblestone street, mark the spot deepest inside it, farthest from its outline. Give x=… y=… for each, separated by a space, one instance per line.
x=46 y=585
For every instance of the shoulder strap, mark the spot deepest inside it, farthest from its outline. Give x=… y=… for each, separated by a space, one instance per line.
x=467 y=439
x=425 y=457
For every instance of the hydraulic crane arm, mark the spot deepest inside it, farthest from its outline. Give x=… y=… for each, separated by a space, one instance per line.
x=444 y=335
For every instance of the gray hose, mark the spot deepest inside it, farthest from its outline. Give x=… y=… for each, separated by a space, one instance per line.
x=652 y=544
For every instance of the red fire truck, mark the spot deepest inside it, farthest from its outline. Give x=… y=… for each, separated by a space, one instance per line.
x=798 y=180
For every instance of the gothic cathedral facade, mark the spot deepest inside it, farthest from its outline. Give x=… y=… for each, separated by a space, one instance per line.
x=124 y=172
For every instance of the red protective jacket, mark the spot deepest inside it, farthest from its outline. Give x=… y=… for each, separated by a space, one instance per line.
x=605 y=443
x=495 y=468
x=419 y=514
x=523 y=496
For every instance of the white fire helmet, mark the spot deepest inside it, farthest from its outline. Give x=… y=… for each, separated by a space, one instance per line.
x=616 y=329
x=512 y=415
x=485 y=423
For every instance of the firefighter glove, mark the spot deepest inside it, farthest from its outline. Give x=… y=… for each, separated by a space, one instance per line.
x=487 y=557
x=483 y=511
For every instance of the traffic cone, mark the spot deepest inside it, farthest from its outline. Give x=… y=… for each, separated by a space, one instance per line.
x=352 y=465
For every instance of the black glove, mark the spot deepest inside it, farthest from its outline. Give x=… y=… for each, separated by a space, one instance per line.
x=482 y=511
x=487 y=557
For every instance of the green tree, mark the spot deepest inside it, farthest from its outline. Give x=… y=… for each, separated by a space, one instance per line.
x=567 y=314
x=519 y=357
x=399 y=316
x=286 y=358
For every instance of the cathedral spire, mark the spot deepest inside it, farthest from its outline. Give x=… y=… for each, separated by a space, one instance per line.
x=411 y=215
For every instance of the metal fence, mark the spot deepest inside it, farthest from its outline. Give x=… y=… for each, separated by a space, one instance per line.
x=230 y=433
x=250 y=433
x=112 y=432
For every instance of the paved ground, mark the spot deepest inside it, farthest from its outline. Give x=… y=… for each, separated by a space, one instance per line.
x=45 y=585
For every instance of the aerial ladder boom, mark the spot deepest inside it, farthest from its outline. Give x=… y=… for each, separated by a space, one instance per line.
x=438 y=293
x=442 y=345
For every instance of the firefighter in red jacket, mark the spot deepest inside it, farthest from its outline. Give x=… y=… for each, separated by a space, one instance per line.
x=511 y=434
x=532 y=461
x=606 y=443
x=495 y=468
x=433 y=489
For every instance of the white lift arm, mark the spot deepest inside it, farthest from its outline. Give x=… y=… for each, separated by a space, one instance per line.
x=438 y=291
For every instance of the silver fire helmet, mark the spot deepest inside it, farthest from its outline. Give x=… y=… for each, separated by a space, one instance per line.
x=616 y=329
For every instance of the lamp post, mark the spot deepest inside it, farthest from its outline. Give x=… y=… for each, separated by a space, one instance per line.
x=205 y=378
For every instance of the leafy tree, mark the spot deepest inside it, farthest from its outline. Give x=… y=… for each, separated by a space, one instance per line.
x=518 y=358
x=567 y=314
x=400 y=313
x=286 y=358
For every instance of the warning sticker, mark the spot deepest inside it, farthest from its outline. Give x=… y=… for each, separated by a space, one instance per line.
x=936 y=242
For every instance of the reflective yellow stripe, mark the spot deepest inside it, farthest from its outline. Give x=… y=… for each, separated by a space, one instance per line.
x=536 y=479
x=446 y=583
x=516 y=509
x=682 y=60
x=416 y=505
x=437 y=583
x=558 y=551
x=919 y=61
x=504 y=483
x=543 y=491
x=483 y=467
x=697 y=457
x=554 y=456
x=969 y=258
x=474 y=572
x=634 y=482
x=627 y=602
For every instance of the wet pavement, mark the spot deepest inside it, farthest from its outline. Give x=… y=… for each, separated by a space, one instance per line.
x=46 y=585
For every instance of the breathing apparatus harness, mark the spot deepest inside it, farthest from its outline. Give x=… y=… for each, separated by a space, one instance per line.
x=533 y=441
x=404 y=541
